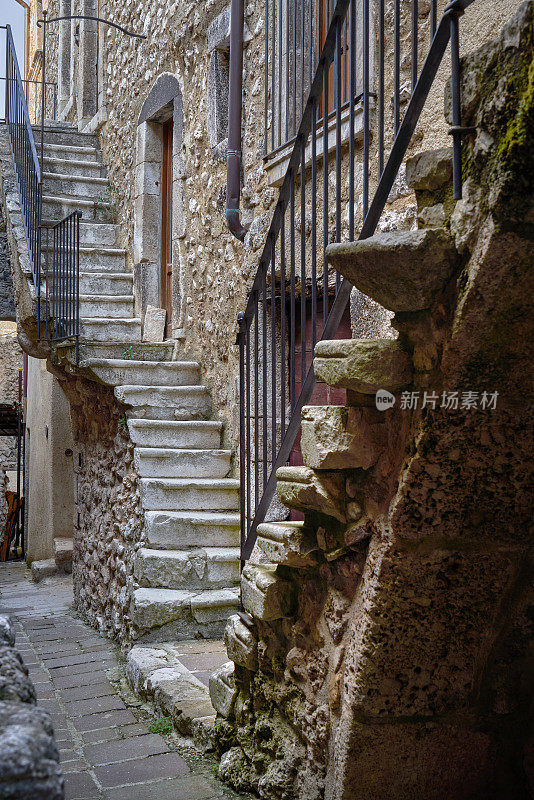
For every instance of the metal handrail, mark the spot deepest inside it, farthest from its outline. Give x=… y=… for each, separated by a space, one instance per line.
x=254 y=510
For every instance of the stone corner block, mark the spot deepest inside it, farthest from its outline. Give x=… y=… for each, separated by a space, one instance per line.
x=306 y=490
x=341 y=437
x=430 y=170
x=264 y=594
x=223 y=690
x=363 y=365
x=241 y=644
x=288 y=543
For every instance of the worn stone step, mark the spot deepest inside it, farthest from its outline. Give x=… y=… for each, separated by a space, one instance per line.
x=65 y=152
x=147 y=351
x=166 y=402
x=98 y=234
x=144 y=373
x=63 y=554
x=180 y=614
x=181 y=529
x=57 y=207
x=115 y=330
x=363 y=365
x=288 y=543
x=63 y=135
x=98 y=259
x=172 y=433
x=43 y=569
x=201 y=568
x=166 y=462
x=100 y=306
x=107 y=283
x=189 y=494
x=59 y=165
x=75 y=185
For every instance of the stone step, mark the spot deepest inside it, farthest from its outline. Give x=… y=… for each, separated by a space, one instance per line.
x=55 y=208
x=98 y=259
x=166 y=402
x=75 y=186
x=288 y=543
x=144 y=373
x=58 y=165
x=363 y=365
x=204 y=434
x=115 y=330
x=100 y=306
x=157 y=674
x=98 y=234
x=147 y=351
x=88 y=154
x=189 y=494
x=62 y=135
x=108 y=283
x=182 y=529
x=63 y=554
x=166 y=462
x=43 y=569
x=180 y=614
x=201 y=568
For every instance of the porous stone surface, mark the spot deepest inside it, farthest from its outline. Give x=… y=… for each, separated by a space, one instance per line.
x=265 y=595
x=14 y=681
x=288 y=543
x=403 y=668
x=403 y=271
x=7 y=631
x=241 y=643
x=223 y=690
x=336 y=437
x=363 y=365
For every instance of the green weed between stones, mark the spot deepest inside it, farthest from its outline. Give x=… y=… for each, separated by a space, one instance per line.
x=162 y=725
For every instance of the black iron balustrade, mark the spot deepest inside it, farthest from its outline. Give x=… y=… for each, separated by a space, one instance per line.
x=62 y=280
x=27 y=166
x=326 y=196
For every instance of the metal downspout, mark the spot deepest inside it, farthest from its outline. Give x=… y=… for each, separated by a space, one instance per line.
x=235 y=108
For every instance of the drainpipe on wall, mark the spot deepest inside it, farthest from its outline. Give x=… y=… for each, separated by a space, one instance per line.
x=235 y=108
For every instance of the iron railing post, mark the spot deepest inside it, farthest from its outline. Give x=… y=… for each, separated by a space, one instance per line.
x=456 y=106
x=242 y=423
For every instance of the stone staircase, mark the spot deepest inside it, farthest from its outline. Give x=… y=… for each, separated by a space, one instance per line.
x=187 y=570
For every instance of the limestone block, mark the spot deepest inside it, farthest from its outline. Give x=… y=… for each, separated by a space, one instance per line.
x=305 y=490
x=153 y=607
x=429 y=171
x=7 y=630
x=14 y=681
x=43 y=569
x=172 y=683
x=264 y=594
x=154 y=324
x=214 y=605
x=401 y=270
x=241 y=644
x=337 y=437
x=141 y=662
x=223 y=690
x=288 y=543
x=363 y=365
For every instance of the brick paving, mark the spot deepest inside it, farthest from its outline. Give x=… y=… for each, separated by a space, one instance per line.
x=107 y=749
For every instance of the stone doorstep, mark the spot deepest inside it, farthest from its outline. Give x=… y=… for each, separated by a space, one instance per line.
x=157 y=673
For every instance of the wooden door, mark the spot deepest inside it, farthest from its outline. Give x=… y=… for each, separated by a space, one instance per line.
x=166 y=224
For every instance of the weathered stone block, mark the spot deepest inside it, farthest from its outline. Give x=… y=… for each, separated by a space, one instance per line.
x=154 y=324
x=223 y=690
x=7 y=630
x=430 y=170
x=43 y=569
x=402 y=270
x=14 y=681
x=288 y=543
x=338 y=437
x=264 y=594
x=141 y=662
x=363 y=365
x=241 y=644
x=306 y=490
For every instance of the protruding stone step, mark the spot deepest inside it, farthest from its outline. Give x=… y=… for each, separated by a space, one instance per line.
x=202 y=568
x=288 y=543
x=109 y=306
x=66 y=151
x=402 y=270
x=174 y=613
x=188 y=494
x=185 y=402
x=265 y=595
x=120 y=350
x=181 y=529
x=134 y=372
x=306 y=490
x=241 y=643
x=59 y=165
x=194 y=434
x=430 y=170
x=341 y=437
x=104 y=330
x=57 y=207
x=75 y=184
x=363 y=365
x=166 y=462
x=64 y=135
x=106 y=283
x=63 y=554
x=43 y=569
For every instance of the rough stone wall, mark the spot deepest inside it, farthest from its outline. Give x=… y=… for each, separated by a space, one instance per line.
x=108 y=514
x=29 y=758
x=214 y=269
x=10 y=363
x=7 y=303
x=399 y=664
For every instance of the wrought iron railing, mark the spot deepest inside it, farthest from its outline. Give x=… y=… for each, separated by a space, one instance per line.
x=62 y=280
x=324 y=198
x=27 y=166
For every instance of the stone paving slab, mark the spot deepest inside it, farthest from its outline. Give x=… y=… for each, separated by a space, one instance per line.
x=107 y=749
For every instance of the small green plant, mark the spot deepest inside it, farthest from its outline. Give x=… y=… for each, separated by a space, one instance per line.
x=129 y=354
x=110 y=200
x=162 y=725
x=123 y=421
